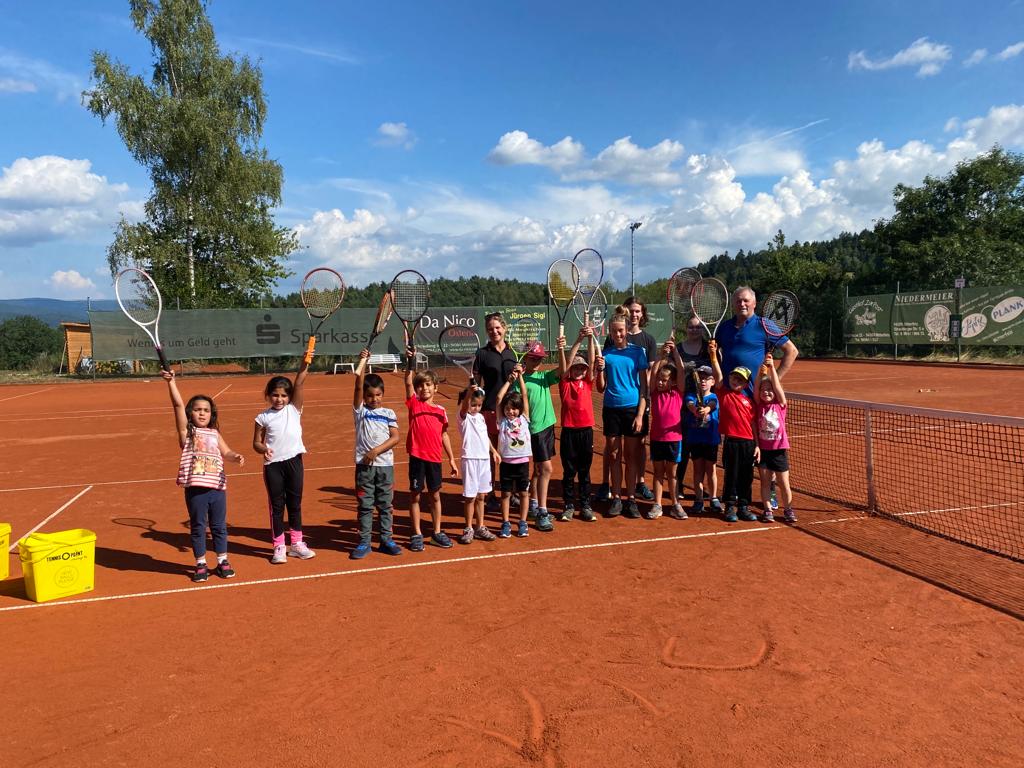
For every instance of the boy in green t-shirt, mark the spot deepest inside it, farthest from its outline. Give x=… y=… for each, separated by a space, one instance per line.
x=542 y=431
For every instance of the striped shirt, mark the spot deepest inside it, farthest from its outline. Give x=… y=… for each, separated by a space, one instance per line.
x=201 y=465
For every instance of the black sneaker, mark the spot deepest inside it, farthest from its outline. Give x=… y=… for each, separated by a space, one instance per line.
x=224 y=570
x=746 y=515
x=545 y=521
x=587 y=515
x=616 y=508
x=567 y=514
x=201 y=573
x=632 y=510
x=644 y=492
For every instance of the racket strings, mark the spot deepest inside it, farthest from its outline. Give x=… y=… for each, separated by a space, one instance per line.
x=680 y=289
x=709 y=301
x=779 y=313
x=563 y=279
x=458 y=344
x=410 y=299
x=523 y=335
x=138 y=296
x=322 y=292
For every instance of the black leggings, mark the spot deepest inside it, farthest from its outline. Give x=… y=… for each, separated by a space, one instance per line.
x=284 y=488
x=738 y=458
x=576 y=450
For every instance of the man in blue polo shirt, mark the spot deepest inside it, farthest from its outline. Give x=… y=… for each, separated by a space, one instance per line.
x=743 y=342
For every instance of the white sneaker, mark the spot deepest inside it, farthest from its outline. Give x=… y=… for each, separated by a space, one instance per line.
x=279 y=555
x=678 y=512
x=301 y=551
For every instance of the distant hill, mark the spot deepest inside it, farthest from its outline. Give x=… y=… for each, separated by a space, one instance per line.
x=52 y=311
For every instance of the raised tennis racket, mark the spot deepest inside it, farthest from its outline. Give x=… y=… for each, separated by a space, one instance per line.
x=680 y=290
x=590 y=268
x=384 y=311
x=322 y=292
x=779 y=313
x=598 y=316
x=522 y=336
x=140 y=301
x=459 y=344
x=410 y=296
x=710 y=300
x=563 y=282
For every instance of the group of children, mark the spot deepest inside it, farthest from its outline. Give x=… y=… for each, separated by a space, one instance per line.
x=498 y=445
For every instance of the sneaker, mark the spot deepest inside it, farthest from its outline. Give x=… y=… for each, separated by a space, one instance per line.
x=467 y=536
x=767 y=516
x=506 y=529
x=533 y=511
x=567 y=514
x=416 y=542
x=545 y=521
x=678 y=512
x=224 y=570
x=730 y=514
x=484 y=534
x=301 y=551
x=616 y=508
x=680 y=494
x=746 y=515
x=524 y=530
x=632 y=510
x=441 y=539
x=201 y=573
x=654 y=512
x=716 y=504
x=603 y=492
x=789 y=515
x=279 y=555
x=389 y=547
x=361 y=551
x=587 y=514
x=697 y=508
x=643 y=491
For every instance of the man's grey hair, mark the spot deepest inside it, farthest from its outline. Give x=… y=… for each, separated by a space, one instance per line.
x=744 y=289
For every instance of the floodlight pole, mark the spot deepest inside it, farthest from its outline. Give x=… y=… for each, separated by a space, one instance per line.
x=633 y=227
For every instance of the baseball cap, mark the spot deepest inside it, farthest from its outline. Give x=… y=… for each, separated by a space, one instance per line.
x=535 y=349
x=739 y=370
x=705 y=370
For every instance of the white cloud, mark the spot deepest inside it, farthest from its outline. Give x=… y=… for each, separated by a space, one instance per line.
x=395 y=135
x=1010 y=51
x=41 y=75
x=928 y=57
x=517 y=148
x=13 y=85
x=976 y=57
x=49 y=197
x=71 y=283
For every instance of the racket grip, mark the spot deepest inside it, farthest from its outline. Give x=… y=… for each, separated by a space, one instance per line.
x=310 y=347
x=561 y=330
x=163 y=359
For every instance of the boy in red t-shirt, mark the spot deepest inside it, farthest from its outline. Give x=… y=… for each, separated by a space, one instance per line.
x=739 y=449
x=576 y=447
x=428 y=434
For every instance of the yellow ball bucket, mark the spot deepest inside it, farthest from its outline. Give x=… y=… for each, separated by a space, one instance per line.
x=58 y=564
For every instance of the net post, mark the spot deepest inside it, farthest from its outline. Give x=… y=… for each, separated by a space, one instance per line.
x=869 y=464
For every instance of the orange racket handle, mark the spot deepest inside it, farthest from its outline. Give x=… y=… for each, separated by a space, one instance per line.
x=309 y=350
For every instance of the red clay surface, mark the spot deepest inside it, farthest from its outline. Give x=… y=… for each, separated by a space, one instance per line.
x=684 y=643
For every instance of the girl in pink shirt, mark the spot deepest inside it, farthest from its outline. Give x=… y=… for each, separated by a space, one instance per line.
x=668 y=386
x=770 y=418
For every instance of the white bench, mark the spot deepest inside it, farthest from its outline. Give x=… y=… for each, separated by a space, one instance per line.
x=383 y=358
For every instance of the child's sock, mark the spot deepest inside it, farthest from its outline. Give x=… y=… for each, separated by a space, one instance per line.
x=222 y=558
x=295 y=537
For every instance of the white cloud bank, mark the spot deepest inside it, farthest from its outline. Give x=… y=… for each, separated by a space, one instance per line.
x=70 y=284
x=395 y=135
x=692 y=205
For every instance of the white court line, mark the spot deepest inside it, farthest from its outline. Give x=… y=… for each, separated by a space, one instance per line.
x=382 y=568
x=168 y=479
x=229 y=387
x=71 y=501
x=840 y=381
x=26 y=394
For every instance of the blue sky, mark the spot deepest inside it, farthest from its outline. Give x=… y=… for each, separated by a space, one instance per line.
x=490 y=138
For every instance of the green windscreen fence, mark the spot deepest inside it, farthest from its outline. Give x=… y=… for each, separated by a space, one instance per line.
x=231 y=333
x=991 y=316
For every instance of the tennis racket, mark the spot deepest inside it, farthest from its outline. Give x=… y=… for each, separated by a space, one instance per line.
x=598 y=316
x=410 y=296
x=779 y=313
x=590 y=268
x=384 y=311
x=140 y=301
x=680 y=288
x=522 y=336
x=710 y=300
x=459 y=345
x=322 y=292
x=563 y=282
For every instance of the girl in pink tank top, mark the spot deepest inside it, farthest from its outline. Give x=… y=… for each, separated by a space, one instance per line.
x=772 y=439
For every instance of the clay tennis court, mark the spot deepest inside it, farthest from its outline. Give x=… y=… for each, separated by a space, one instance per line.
x=621 y=642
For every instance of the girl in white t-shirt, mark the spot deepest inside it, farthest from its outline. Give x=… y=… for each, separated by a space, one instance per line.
x=278 y=437
x=515 y=450
x=477 y=452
